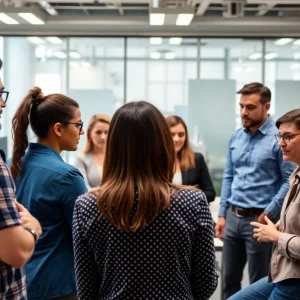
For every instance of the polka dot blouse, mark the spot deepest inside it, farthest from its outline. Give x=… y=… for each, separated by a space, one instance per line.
x=172 y=258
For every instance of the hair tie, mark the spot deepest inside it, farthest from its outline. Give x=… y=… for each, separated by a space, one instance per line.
x=37 y=100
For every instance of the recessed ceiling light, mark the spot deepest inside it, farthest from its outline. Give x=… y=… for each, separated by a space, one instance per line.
x=157 y=19
x=170 y=55
x=60 y=54
x=74 y=54
x=283 y=41
x=184 y=19
x=55 y=40
x=175 y=40
x=271 y=55
x=255 y=55
x=31 y=18
x=7 y=19
x=155 y=55
x=35 y=40
x=155 y=40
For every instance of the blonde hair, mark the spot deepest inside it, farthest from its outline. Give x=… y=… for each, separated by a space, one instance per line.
x=185 y=156
x=93 y=120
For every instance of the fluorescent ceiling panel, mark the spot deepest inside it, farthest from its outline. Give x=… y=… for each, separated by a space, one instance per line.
x=283 y=41
x=31 y=18
x=155 y=55
x=271 y=55
x=60 y=54
x=55 y=40
x=175 y=40
x=170 y=55
x=7 y=19
x=256 y=55
x=184 y=19
x=157 y=19
x=74 y=54
x=155 y=40
x=35 y=40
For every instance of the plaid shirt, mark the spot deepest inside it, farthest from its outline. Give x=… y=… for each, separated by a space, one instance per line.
x=12 y=280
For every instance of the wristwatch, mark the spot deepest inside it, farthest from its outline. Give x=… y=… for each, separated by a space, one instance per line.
x=33 y=232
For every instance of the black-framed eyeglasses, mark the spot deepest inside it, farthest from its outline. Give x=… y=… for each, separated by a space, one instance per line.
x=4 y=95
x=79 y=124
x=285 y=137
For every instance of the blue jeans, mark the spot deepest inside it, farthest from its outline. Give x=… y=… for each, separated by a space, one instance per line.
x=288 y=289
x=240 y=247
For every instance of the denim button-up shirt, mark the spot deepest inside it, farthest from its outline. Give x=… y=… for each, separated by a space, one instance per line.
x=255 y=175
x=48 y=188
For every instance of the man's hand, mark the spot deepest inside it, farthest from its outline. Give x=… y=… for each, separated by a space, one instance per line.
x=220 y=227
x=261 y=218
x=266 y=233
x=28 y=220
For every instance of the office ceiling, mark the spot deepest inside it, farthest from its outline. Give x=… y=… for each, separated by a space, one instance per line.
x=131 y=17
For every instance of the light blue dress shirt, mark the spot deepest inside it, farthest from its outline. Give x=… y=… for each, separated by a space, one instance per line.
x=255 y=175
x=48 y=188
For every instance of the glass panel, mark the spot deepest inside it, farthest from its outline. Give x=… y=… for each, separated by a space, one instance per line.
x=158 y=70
x=283 y=74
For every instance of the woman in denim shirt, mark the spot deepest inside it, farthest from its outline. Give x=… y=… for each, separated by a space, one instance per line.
x=48 y=188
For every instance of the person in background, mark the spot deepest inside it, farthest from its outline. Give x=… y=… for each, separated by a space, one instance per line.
x=140 y=236
x=255 y=182
x=19 y=231
x=48 y=188
x=191 y=168
x=90 y=161
x=284 y=276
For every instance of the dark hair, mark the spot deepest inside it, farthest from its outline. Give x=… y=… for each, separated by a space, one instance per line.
x=292 y=116
x=186 y=156
x=1 y=63
x=41 y=112
x=139 y=158
x=257 y=88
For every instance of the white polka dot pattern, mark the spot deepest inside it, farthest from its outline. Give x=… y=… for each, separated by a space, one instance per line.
x=172 y=258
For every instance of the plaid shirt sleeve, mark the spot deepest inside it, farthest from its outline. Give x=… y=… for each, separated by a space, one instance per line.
x=9 y=215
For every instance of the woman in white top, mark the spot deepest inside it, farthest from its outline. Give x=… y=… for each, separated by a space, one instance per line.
x=90 y=160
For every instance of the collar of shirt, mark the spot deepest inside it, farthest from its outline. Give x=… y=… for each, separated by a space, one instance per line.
x=263 y=128
x=42 y=148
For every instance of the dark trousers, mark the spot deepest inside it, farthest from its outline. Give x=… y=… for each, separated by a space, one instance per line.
x=66 y=297
x=240 y=247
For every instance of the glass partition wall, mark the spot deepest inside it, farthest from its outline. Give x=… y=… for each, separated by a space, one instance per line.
x=196 y=78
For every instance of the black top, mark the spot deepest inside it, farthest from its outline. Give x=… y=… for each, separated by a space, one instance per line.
x=172 y=258
x=199 y=176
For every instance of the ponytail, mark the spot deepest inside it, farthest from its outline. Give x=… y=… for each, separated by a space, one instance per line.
x=20 y=124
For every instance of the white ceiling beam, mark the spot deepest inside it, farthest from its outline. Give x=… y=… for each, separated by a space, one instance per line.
x=264 y=8
x=203 y=7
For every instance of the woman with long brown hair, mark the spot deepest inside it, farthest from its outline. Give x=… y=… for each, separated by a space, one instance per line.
x=191 y=168
x=90 y=160
x=48 y=188
x=140 y=236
